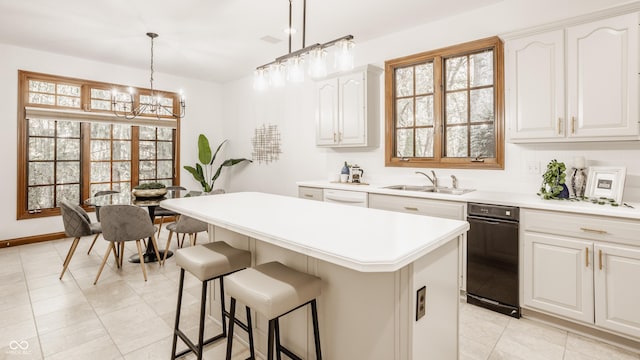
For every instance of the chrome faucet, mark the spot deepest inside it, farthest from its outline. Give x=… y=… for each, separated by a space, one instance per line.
x=454 y=182
x=434 y=179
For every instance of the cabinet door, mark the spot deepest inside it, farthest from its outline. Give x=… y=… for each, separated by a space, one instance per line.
x=327 y=112
x=558 y=275
x=602 y=78
x=352 y=111
x=535 y=86
x=617 y=294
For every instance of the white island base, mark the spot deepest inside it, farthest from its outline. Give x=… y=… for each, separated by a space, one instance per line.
x=363 y=315
x=371 y=262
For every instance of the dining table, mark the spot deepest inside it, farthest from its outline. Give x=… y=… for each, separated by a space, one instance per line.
x=151 y=203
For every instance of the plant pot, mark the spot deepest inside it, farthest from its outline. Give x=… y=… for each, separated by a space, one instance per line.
x=564 y=194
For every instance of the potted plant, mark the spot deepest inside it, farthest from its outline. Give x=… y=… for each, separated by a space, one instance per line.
x=553 y=181
x=203 y=171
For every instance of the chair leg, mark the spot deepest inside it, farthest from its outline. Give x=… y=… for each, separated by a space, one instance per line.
x=203 y=310
x=93 y=243
x=316 y=329
x=104 y=261
x=155 y=247
x=160 y=226
x=67 y=260
x=278 y=343
x=232 y=322
x=115 y=256
x=192 y=241
x=272 y=325
x=252 y=350
x=144 y=270
x=121 y=253
x=175 y=329
x=166 y=248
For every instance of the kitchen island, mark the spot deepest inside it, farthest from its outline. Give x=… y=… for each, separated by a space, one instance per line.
x=372 y=263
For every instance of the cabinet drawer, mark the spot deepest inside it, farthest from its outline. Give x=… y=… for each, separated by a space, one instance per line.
x=581 y=226
x=310 y=193
x=443 y=209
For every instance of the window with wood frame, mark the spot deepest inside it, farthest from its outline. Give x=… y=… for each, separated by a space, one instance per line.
x=71 y=145
x=444 y=108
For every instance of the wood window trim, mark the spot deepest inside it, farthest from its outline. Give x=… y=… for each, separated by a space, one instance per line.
x=438 y=161
x=22 y=211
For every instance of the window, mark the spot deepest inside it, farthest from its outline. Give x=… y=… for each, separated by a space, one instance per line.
x=445 y=107
x=72 y=146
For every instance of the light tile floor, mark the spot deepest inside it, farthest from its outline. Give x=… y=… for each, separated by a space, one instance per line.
x=123 y=317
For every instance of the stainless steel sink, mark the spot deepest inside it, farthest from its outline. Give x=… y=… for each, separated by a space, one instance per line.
x=443 y=190
x=453 y=191
x=411 y=188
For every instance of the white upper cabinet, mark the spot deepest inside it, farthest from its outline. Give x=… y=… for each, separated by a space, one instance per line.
x=535 y=82
x=347 y=108
x=579 y=83
x=602 y=78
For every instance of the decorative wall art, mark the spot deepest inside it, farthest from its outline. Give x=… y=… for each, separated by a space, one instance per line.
x=266 y=144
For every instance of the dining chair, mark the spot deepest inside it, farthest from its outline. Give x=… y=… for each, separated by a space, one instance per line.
x=100 y=193
x=184 y=225
x=122 y=223
x=162 y=212
x=77 y=224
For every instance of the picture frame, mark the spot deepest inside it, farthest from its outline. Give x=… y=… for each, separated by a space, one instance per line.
x=606 y=182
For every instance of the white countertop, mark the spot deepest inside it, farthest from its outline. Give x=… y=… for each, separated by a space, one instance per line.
x=530 y=201
x=362 y=239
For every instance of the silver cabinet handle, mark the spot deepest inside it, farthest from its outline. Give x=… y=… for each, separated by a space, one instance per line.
x=600 y=258
x=411 y=208
x=559 y=126
x=308 y=195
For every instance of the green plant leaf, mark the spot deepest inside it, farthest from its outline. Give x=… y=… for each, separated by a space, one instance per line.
x=228 y=162
x=204 y=150
x=216 y=153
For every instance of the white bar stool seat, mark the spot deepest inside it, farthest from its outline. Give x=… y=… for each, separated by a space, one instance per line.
x=207 y=262
x=274 y=290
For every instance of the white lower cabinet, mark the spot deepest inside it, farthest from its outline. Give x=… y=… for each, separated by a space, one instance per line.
x=558 y=276
x=617 y=294
x=590 y=276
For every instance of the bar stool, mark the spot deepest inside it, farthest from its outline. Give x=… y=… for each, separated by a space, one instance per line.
x=208 y=262
x=273 y=290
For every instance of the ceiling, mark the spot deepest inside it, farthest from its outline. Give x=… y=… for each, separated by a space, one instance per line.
x=214 y=40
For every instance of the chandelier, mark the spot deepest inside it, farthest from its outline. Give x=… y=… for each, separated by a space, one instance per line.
x=153 y=104
x=291 y=67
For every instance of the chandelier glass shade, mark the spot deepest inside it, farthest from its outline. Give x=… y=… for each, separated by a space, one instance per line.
x=310 y=59
x=153 y=103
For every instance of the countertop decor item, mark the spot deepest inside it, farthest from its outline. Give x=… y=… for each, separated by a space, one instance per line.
x=553 y=181
x=149 y=190
x=203 y=171
x=606 y=182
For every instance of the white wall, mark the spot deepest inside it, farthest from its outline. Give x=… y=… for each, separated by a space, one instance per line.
x=292 y=109
x=203 y=112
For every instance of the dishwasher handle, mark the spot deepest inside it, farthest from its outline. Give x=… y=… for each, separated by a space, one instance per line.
x=490 y=221
x=344 y=198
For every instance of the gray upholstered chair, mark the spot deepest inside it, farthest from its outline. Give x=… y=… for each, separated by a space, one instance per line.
x=184 y=225
x=121 y=223
x=162 y=212
x=99 y=193
x=77 y=224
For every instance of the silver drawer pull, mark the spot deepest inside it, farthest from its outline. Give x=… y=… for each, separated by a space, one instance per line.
x=595 y=231
x=411 y=208
x=308 y=195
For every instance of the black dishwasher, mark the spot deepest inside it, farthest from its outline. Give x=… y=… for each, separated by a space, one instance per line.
x=492 y=258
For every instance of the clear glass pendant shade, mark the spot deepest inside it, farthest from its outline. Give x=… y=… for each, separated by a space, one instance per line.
x=295 y=70
x=318 y=63
x=344 y=55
